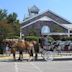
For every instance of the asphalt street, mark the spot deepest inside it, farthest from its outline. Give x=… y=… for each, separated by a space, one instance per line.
x=60 y=64
x=37 y=66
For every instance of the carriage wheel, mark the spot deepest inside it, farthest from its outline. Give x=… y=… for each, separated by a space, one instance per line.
x=48 y=56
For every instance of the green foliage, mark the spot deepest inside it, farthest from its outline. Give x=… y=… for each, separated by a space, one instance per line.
x=12 y=37
x=3 y=14
x=9 y=25
x=30 y=38
x=56 y=37
x=12 y=18
x=36 y=38
x=50 y=39
x=67 y=38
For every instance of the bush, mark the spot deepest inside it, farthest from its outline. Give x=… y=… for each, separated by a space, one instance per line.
x=36 y=38
x=16 y=37
x=67 y=38
x=50 y=39
x=30 y=38
x=11 y=37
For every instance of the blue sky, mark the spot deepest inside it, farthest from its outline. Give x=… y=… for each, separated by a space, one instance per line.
x=61 y=7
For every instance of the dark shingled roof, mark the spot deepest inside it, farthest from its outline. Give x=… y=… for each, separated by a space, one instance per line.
x=51 y=15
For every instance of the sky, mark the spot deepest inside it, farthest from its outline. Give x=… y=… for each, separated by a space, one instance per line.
x=62 y=8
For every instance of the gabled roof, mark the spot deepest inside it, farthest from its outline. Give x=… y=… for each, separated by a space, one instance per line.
x=68 y=26
x=45 y=19
x=49 y=14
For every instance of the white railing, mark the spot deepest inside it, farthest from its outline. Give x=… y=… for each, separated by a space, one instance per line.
x=59 y=33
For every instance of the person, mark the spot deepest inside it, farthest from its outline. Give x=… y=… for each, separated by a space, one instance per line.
x=41 y=41
x=30 y=51
x=7 y=50
x=36 y=49
x=1 y=48
x=45 y=43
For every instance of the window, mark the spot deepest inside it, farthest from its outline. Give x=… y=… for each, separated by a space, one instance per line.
x=45 y=30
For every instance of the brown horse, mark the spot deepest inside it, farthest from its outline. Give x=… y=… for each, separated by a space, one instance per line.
x=23 y=46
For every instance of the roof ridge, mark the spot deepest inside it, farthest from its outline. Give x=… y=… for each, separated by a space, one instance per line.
x=59 y=16
x=50 y=18
x=35 y=16
x=45 y=12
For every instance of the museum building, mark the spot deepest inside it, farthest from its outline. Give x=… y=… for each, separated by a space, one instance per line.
x=46 y=23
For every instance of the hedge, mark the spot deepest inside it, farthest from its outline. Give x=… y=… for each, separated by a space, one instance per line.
x=30 y=38
x=36 y=38
x=67 y=38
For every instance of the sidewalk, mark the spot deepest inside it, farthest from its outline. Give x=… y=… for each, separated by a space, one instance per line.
x=26 y=56
x=4 y=57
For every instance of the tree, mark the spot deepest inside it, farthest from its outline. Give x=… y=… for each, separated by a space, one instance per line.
x=5 y=29
x=9 y=24
x=3 y=14
x=12 y=18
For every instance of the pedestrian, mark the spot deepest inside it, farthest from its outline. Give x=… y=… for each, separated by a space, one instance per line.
x=7 y=50
x=36 y=49
x=41 y=41
x=30 y=51
x=46 y=43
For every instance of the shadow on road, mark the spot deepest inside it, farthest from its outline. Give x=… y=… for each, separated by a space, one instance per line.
x=24 y=60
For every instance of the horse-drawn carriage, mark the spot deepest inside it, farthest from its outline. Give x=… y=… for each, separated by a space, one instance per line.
x=57 y=50
x=54 y=49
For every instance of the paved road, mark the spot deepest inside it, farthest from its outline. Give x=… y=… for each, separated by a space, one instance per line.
x=39 y=66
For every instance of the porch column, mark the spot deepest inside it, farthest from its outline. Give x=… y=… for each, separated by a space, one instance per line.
x=68 y=33
x=20 y=33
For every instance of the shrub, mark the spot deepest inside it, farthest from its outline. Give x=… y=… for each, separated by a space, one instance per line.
x=50 y=39
x=11 y=37
x=67 y=38
x=30 y=38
